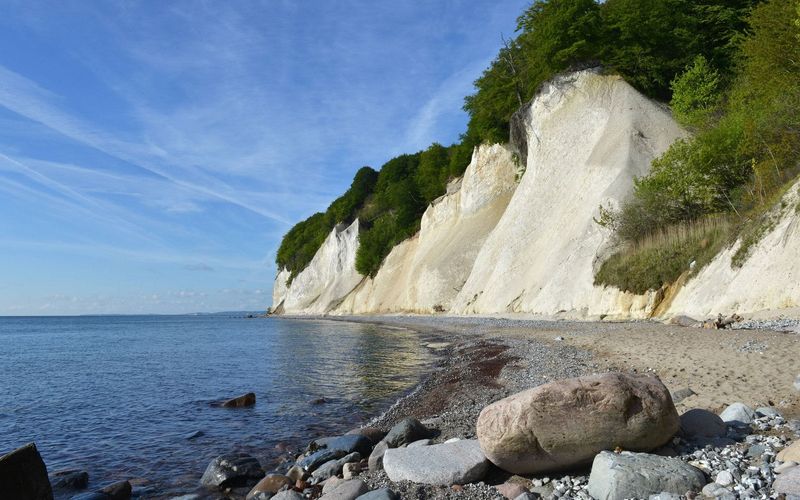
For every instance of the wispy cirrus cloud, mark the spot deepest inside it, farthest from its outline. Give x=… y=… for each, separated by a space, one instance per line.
x=169 y=139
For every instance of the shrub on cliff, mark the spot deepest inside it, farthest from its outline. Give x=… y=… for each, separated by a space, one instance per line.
x=738 y=162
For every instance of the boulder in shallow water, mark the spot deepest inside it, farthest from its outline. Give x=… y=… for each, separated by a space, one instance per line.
x=405 y=432
x=616 y=476
x=242 y=401
x=565 y=423
x=231 y=471
x=24 y=475
x=443 y=464
x=738 y=414
x=271 y=484
x=118 y=491
x=70 y=479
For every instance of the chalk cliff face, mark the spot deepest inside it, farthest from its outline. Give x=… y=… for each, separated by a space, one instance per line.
x=588 y=137
x=329 y=277
x=425 y=273
x=495 y=244
x=767 y=284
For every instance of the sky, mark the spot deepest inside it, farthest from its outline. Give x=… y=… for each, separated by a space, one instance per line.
x=153 y=154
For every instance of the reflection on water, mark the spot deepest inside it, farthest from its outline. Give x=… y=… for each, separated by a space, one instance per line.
x=118 y=396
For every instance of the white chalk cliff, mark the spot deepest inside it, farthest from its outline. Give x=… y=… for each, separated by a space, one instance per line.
x=498 y=243
x=425 y=273
x=327 y=279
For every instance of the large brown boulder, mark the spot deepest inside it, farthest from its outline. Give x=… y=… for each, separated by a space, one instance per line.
x=567 y=422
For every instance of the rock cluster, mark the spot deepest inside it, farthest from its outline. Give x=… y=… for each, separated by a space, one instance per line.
x=618 y=434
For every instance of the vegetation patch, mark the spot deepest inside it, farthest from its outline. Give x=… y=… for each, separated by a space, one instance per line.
x=660 y=258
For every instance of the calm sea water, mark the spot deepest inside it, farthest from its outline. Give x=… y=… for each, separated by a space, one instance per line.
x=118 y=396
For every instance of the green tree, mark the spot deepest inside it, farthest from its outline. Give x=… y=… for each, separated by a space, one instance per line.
x=344 y=208
x=695 y=93
x=433 y=172
x=553 y=35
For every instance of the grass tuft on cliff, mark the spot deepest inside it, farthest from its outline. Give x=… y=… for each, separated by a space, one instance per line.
x=660 y=258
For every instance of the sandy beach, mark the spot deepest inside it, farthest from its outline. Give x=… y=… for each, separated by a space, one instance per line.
x=756 y=367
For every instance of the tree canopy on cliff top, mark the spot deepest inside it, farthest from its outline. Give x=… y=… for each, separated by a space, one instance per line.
x=648 y=42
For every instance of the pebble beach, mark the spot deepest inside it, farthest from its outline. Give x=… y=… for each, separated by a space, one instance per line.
x=483 y=360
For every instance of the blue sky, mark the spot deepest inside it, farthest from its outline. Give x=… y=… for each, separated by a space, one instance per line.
x=152 y=154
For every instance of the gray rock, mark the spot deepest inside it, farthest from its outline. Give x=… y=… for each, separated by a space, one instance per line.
x=756 y=451
x=347 y=490
x=24 y=475
x=331 y=484
x=639 y=475
x=529 y=495
x=714 y=490
x=768 y=411
x=406 y=431
x=665 y=496
x=374 y=434
x=316 y=459
x=443 y=464
x=682 y=394
x=380 y=494
x=724 y=478
x=375 y=461
x=421 y=442
x=351 y=470
x=288 y=495
x=697 y=423
x=334 y=467
x=797 y=383
x=231 y=471
x=788 y=483
x=70 y=479
x=738 y=414
x=348 y=443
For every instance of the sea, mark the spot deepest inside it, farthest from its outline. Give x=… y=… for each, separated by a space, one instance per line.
x=131 y=397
